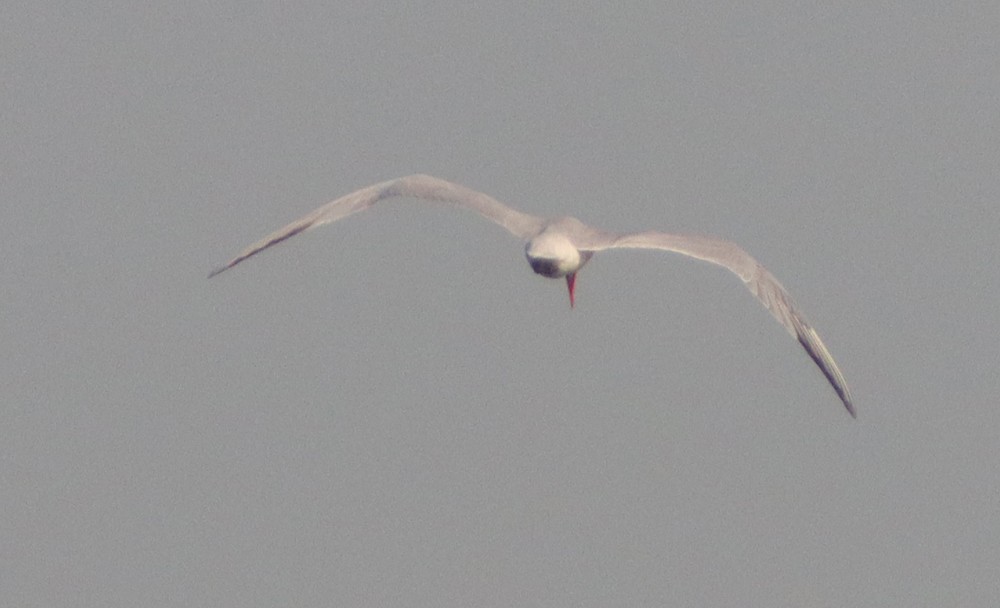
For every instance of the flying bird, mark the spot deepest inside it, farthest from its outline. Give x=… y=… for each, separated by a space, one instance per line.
x=559 y=247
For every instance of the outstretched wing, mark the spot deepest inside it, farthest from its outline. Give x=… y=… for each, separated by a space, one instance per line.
x=422 y=187
x=758 y=279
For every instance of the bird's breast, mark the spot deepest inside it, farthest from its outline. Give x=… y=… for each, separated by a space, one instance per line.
x=551 y=254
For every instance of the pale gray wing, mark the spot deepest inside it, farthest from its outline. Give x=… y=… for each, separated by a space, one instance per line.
x=423 y=187
x=757 y=278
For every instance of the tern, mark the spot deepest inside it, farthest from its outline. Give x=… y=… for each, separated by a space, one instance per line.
x=559 y=247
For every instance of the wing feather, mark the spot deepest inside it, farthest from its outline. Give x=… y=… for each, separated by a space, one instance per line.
x=764 y=286
x=423 y=187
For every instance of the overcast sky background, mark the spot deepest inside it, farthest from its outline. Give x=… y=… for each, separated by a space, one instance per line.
x=394 y=410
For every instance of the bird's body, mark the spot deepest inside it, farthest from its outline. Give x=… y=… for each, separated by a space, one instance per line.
x=559 y=247
x=552 y=254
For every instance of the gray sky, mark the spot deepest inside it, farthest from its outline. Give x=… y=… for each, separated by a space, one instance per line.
x=394 y=410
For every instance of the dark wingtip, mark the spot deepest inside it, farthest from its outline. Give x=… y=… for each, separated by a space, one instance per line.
x=838 y=387
x=218 y=270
x=254 y=250
x=846 y=398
